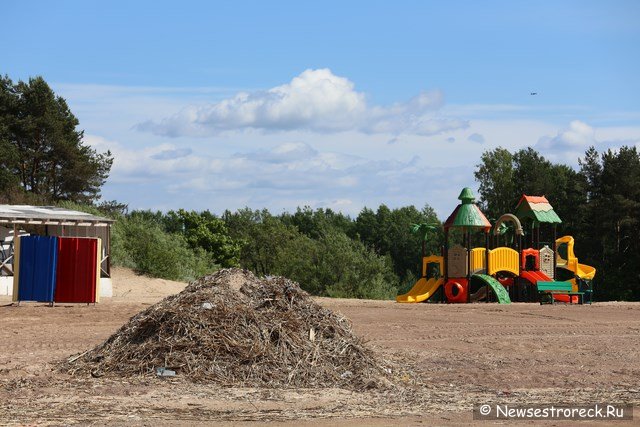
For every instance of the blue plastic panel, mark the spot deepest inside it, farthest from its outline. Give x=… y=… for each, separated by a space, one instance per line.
x=38 y=259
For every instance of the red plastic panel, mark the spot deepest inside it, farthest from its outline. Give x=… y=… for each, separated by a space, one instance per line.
x=530 y=252
x=77 y=270
x=535 y=276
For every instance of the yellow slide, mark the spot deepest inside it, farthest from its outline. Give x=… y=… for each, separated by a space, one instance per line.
x=422 y=290
x=566 y=259
x=583 y=271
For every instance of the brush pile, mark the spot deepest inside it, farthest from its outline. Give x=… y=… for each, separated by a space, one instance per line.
x=233 y=328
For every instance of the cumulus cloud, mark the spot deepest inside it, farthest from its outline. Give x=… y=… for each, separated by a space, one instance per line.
x=146 y=164
x=273 y=149
x=578 y=136
x=571 y=143
x=286 y=169
x=316 y=100
x=280 y=177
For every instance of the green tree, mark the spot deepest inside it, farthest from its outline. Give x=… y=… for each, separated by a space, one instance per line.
x=366 y=228
x=205 y=231
x=495 y=175
x=504 y=177
x=8 y=114
x=388 y=233
x=337 y=266
x=424 y=229
x=591 y=170
x=532 y=173
x=314 y=223
x=616 y=216
x=263 y=238
x=42 y=147
x=330 y=263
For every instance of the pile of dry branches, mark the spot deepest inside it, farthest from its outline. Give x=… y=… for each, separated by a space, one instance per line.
x=233 y=328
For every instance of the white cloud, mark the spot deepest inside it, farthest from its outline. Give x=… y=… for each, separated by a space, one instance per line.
x=571 y=143
x=316 y=100
x=381 y=157
x=282 y=177
x=147 y=163
x=340 y=205
x=577 y=136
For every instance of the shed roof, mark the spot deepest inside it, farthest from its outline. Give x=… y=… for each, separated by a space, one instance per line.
x=49 y=215
x=537 y=208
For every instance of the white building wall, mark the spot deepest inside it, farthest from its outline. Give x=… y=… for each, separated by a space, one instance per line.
x=6 y=286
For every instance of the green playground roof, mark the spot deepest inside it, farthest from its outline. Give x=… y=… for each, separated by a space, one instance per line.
x=467 y=214
x=538 y=209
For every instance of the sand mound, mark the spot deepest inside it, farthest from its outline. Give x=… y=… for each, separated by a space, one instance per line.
x=233 y=328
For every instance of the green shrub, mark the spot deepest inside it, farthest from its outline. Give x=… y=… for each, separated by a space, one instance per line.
x=143 y=245
x=337 y=266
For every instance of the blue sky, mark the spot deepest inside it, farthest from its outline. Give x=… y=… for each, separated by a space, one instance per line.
x=216 y=105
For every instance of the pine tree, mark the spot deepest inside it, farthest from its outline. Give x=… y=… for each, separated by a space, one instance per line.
x=44 y=155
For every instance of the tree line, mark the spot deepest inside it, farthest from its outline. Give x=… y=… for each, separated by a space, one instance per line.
x=377 y=254
x=598 y=202
x=374 y=255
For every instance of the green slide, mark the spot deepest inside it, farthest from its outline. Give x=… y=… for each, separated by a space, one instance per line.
x=498 y=289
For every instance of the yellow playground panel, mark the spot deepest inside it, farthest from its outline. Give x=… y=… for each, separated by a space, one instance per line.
x=478 y=258
x=504 y=259
x=432 y=259
x=500 y=259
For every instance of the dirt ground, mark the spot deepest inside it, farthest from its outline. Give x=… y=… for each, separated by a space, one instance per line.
x=448 y=358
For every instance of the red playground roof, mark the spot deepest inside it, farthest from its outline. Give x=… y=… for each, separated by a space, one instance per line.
x=536 y=208
x=533 y=199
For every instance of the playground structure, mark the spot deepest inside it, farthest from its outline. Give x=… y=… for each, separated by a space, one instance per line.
x=513 y=272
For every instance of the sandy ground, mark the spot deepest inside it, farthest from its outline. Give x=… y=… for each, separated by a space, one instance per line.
x=449 y=357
